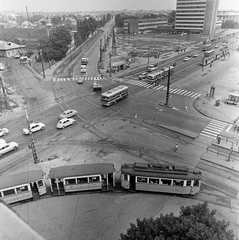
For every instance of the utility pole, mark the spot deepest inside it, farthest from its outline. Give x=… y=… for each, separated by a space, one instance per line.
x=110 y=63
x=42 y=64
x=168 y=84
x=3 y=91
x=32 y=146
x=148 y=54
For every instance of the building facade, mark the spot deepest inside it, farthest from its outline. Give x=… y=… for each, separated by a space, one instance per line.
x=228 y=15
x=133 y=26
x=198 y=16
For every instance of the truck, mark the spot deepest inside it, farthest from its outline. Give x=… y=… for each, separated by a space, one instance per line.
x=97 y=84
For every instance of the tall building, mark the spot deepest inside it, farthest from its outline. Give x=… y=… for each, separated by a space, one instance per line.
x=198 y=16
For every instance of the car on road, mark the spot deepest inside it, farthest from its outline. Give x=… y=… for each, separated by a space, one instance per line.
x=34 y=128
x=68 y=113
x=2 y=66
x=186 y=59
x=152 y=68
x=17 y=56
x=83 y=69
x=65 y=122
x=195 y=55
x=3 y=131
x=80 y=80
x=216 y=46
x=143 y=75
x=7 y=147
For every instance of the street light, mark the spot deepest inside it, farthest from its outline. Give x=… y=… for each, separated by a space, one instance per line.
x=42 y=64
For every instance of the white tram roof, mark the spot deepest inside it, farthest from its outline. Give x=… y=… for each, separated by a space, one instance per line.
x=114 y=90
x=81 y=170
x=20 y=178
x=160 y=171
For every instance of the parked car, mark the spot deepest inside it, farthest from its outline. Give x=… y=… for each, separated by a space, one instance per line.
x=3 y=131
x=34 y=128
x=186 y=59
x=17 y=56
x=65 y=122
x=143 y=75
x=68 y=113
x=80 y=80
x=216 y=46
x=7 y=147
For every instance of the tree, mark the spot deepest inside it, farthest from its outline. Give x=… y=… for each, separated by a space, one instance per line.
x=230 y=24
x=171 y=17
x=194 y=222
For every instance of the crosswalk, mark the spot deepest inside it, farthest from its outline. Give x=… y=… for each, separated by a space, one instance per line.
x=214 y=128
x=178 y=91
x=60 y=79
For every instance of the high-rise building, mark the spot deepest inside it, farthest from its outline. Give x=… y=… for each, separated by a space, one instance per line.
x=198 y=16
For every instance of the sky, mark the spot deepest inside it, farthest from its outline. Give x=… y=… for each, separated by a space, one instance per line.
x=91 y=5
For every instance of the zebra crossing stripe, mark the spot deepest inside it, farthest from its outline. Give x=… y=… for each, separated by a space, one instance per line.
x=171 y=90
x=215 y=127
x=187 y=93
x=174 y=90
x=210 y=136
x=194 y=95
x=182 y=93
x=159 y=87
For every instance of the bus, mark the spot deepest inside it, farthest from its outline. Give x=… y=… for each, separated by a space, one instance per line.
x=160 y=178
x=114 y=95
x=83 y=177
x=208 y=58
x=22 y=186
x=155 y=76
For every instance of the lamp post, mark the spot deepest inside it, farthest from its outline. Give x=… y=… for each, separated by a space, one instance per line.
x=110 y=63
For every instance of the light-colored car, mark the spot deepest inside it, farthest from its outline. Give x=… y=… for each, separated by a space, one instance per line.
x=195 y=55
x=34 y=128
x=68 y=113
x=186 y=59
x=80 y=80
x=7 y=147
x=143 y=75
x=17 y=56
x=65 y=122
x=83 y=69
x=3 y=131
x=152 y=68
x=216 y=46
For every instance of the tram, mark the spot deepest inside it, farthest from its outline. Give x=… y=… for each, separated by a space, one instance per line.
x=160 y=178
x=84 y=177
x=22 y=186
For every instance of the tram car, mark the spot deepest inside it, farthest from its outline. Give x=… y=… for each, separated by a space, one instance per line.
x=84 y=177
x=22 y=186
x=160 y=178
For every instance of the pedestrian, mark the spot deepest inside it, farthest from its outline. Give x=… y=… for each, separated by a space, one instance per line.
x=218 y=138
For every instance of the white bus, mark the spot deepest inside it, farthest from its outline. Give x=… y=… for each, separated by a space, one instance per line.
x=114 y=95
x=154 y=76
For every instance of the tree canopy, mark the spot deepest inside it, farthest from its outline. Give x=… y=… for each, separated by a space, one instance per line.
x=171 y=17
x=230 y=24
x=196 y=222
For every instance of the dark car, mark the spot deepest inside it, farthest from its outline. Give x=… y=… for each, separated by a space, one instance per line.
x=29 y=53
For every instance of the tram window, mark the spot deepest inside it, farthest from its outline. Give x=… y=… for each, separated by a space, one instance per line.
x=94 y=179
x=178 y=182
x=70 y=181
x=125 y=177
x=82 y=180
x=189 y=182
x=166 y=182
x=22 y=189
x=196 y=183
x=154 y=181
x=9 y=192
x=40 y=183
x=0 y=194
x=140 y=179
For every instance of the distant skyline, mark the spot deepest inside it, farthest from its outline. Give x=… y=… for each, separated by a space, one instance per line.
x=98 y=5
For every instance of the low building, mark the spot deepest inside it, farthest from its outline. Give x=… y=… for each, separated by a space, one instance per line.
x=9 y=49
x=228 y=15
x=133 y=26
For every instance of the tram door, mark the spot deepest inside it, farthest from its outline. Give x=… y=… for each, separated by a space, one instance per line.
x=132 y=182
x=41 y=187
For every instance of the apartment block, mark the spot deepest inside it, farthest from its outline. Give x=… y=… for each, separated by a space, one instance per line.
x=196 y=16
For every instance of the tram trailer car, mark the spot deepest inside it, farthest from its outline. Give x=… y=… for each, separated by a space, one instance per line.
x=84 y=177
x=160 y=178
x=22 y=186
